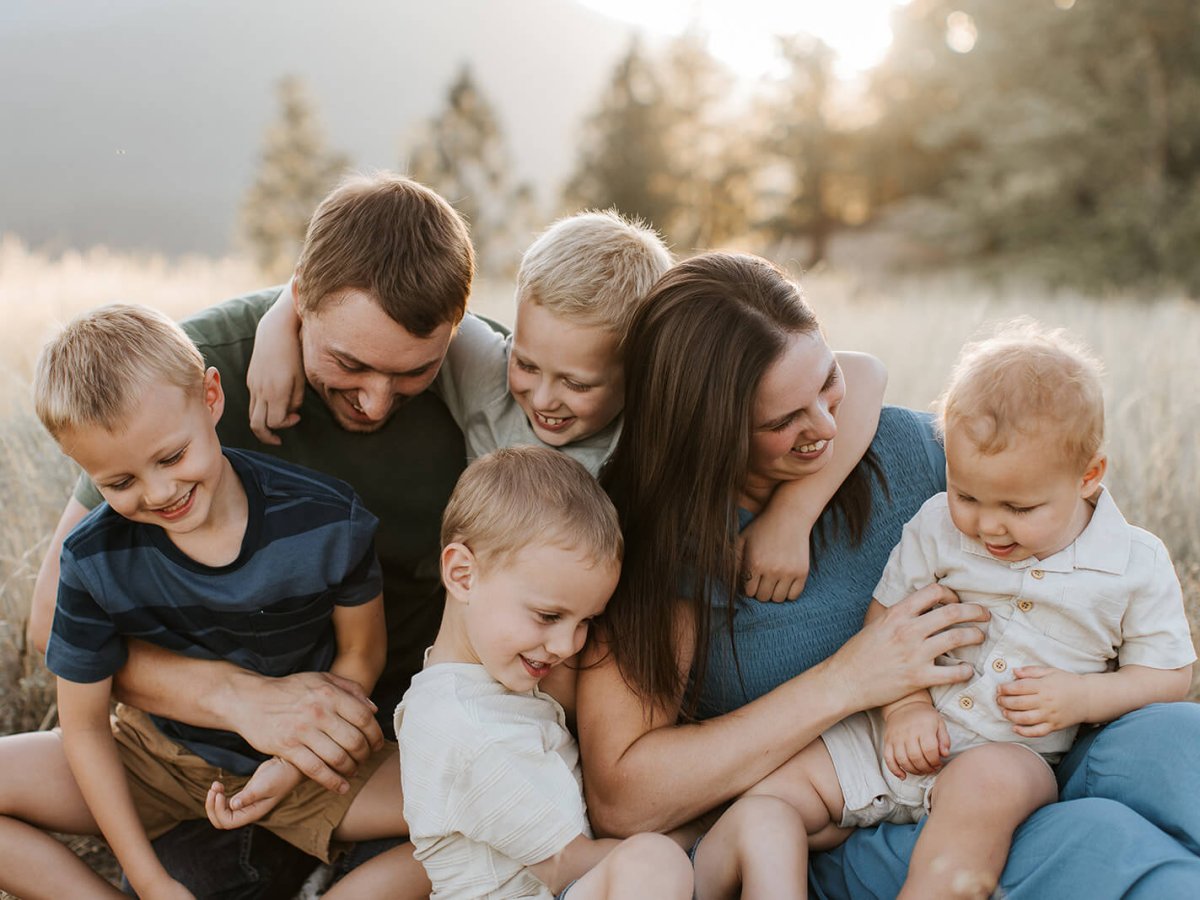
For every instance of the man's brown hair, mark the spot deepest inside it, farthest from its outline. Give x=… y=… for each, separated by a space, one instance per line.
x=394 y=239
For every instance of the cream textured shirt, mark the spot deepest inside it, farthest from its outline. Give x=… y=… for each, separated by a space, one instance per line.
x=491 y=780
x=1110 y=599
x=473 y=383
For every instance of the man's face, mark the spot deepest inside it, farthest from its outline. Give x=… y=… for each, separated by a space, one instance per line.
x=363 y=363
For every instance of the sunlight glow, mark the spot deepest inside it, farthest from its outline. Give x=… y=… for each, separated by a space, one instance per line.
x=743 y=33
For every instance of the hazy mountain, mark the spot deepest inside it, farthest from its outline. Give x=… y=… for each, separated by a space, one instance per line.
x=137 y=123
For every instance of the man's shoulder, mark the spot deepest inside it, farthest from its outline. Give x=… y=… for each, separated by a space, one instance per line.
x=232 y=321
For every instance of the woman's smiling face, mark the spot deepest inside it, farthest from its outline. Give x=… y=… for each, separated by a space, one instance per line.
x=793 y=418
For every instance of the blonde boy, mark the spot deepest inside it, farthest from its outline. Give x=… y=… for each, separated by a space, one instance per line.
x=1087 y=621
x=212 y=553
x=531 y=551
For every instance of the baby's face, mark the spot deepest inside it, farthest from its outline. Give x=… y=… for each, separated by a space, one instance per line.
x=566 y=377
x=1024 y=501
x=531 y=613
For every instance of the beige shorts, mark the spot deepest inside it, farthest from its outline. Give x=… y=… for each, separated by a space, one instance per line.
x=169 y=784
x=871 y=792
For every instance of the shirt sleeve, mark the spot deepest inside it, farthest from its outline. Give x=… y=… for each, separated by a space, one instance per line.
x=363 y=580
x=913 y=563
x=86 y=492
x=84 y=644
x=525 y=805
x=1155 y=630
x=475 y=370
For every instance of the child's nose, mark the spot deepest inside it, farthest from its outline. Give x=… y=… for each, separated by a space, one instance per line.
x=543 y=395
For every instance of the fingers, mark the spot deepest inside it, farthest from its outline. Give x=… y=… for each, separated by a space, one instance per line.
x=927 y=598
x=889 y=758
x=258 y=422
x=315 y=768
x=1033 y=671
x=217 y=807
x=943 y=738
x=943 y=642
x=751 y=585
x=947 y=616
x=1034 y=731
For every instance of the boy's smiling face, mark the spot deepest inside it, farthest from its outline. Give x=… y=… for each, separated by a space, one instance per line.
x=164 y=465
x=566 y=377
x=525 y=615
x=1026 y=500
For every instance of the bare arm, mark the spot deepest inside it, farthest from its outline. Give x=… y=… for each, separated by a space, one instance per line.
x=643 y=771
x=92 y=754
x=775 y=544
x=1041 y=699
x=45 y=588
x=275 y=375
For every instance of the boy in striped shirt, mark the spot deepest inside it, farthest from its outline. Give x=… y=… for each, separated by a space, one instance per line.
x=208 y=552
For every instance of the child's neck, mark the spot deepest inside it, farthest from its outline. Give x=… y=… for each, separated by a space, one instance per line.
x=218 y=541
x=452 y=644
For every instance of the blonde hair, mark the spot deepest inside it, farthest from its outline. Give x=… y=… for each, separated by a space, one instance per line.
x=97 y=367
x=1026 y=380
x=593 y=268
x=395 y=239
x=520 y=496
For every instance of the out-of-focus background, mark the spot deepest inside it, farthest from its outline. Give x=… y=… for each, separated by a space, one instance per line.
x=925 y=167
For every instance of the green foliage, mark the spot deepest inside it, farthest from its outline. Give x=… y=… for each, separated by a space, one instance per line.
x=1066 y=134
x=461 y=153
x=296 y=171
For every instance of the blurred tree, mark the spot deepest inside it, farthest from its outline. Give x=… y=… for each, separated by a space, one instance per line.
x=1067 y=132
x=461 y=153
x=803 y=143
x=296 y=171
x=624 y=156
x=668 y=145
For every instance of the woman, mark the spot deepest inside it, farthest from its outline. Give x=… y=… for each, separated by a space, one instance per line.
x=688 y=700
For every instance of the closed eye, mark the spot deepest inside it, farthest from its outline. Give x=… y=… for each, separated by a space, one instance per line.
x=525 y=367
x=548 y=618
x=576 y=386
x=1021 y=510
x=173 y=458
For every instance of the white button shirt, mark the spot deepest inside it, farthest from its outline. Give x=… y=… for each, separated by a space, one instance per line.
x=1110 y=599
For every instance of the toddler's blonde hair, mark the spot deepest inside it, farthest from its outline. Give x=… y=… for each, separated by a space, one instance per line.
x=1024 y=381
x=516 y=497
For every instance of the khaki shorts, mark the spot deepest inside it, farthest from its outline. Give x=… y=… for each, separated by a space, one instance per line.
x=169 y=784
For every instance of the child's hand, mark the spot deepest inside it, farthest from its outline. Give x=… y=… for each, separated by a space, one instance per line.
x=774 y=559
x=1041 y=700
x=268 y=785
x=915 y=740
x=275 y=375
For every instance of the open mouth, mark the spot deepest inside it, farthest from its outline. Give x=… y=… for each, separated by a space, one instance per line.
x=179 y=508
x=1000 y=550
x=810 y=451
x=553 y=423
x=534 y=668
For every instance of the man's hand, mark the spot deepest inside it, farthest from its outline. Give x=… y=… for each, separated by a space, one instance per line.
x=915 y=740
x=321 y=723
x=1041 y=700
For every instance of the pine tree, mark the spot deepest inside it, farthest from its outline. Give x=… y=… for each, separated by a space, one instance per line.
x=461 y=153
x=296 y=171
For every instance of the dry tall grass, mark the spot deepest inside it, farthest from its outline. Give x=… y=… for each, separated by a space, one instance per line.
x=916 y=324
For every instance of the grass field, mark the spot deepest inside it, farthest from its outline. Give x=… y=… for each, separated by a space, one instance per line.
x=914 y=323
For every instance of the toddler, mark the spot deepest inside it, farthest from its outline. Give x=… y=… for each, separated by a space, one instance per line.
x=1087 y=622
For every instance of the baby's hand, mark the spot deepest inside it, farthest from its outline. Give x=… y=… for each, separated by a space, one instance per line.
x=915 y=740
x=1042 y=700
x=268 y=785
x=774 y=560
x=275 y=376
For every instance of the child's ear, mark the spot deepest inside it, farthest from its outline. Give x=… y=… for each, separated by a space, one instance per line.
x=1093 y=475
x=214 y=394
x=458 y=570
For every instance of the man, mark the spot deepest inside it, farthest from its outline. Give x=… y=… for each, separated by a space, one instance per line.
x=381 y=285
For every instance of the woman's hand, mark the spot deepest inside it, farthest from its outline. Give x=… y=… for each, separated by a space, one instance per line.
x=893 y=654
x=275 y=375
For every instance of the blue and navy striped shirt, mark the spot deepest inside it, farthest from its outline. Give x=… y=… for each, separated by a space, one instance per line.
x=308 y=546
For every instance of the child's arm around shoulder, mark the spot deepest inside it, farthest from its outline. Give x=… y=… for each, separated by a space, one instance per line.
x=775 y=544
x=92 y=754
x=275 y=376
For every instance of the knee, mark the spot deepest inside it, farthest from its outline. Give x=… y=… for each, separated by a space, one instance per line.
x=760 y=819
x=651 y=865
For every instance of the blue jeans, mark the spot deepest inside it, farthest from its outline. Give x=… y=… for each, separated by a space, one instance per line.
x=1128 y=826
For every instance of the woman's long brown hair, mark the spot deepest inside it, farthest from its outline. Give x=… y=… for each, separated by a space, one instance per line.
x=695 y=354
